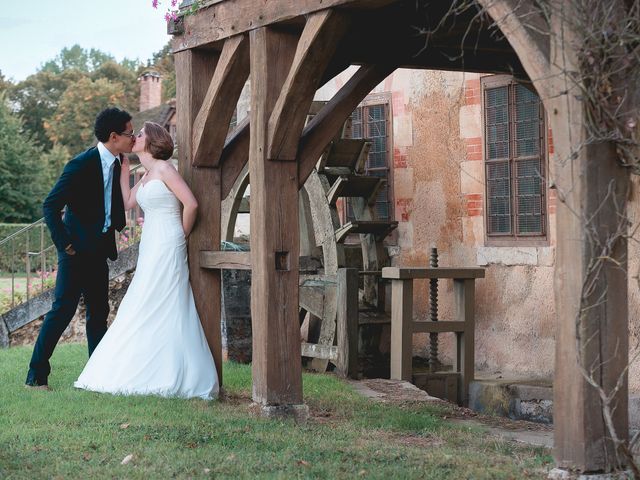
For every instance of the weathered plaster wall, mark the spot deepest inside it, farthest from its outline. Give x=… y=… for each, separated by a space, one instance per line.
x=439 y=197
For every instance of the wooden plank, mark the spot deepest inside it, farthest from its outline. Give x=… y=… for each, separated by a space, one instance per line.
x=324 y=126
x=464 y=362
x=348 y=154
x=275 y=242
x=312 y=299
x=373 y=317
x=232 y=17
x=378 y=228
x=220 y=260
x=212 y=122
x=355 y=186
x=347 y=323
x=438 y=327
x=194 y=69
x=401 y=329
x=324 y=352
x=431 y=272
x=328 y=323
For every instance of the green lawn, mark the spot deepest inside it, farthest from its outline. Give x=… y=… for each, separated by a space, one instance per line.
x=76 y=434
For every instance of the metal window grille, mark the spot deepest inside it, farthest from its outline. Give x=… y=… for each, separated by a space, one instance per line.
x=514 y=162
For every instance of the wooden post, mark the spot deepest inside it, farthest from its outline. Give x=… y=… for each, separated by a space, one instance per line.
x=347 y=322
x=591 y=306
x=194 y=70
x=277 y=371
x=464 y=295
x=401 y=329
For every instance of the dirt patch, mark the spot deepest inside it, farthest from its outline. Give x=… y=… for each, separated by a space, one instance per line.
x=399 y=392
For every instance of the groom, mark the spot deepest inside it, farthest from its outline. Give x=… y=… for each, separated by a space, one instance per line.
x=89 y=188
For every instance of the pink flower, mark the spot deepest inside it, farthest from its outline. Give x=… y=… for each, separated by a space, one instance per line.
x=154 y=3
x=173 y=3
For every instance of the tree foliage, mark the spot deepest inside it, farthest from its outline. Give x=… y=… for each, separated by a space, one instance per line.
x=4 y=83
x=37 y=98
x=22 y=171
x=163 y=62
x=72 y=123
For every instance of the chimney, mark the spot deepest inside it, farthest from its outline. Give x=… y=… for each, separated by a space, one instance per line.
x=150 y=90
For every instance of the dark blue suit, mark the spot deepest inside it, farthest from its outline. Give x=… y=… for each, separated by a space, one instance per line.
x=80 y=189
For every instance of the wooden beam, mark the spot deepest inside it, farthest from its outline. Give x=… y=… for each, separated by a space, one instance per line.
x=324 y=352
x=401 y=329
x=219 y=260
x=212 y=122
x=194 y=69
x=524 y=27
x=464 y=362
x=438 y=327
x=231 y=17
x=322 y=32
x=432 y=272
x=275 y=242
x=235 y=156
x=347 y=323
x=324 y=126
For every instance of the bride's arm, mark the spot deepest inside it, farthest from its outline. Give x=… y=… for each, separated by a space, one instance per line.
x=181 y=190
x=128 y=193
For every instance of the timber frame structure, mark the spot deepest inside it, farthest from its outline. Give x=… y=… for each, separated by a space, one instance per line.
x=289 y=48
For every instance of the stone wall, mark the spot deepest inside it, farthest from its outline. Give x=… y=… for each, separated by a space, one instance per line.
x=75 y=332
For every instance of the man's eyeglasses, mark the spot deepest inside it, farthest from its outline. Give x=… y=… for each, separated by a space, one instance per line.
x=127 y=134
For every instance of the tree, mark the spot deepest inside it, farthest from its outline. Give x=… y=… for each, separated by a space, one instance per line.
x=77 y=58
x=116 y=73
x=22 y=171
x=163 y=62
x=36 y=98
x=4 y=83
x=54 y=161
x=72 y=123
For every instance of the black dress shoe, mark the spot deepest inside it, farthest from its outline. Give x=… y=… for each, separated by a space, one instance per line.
x=34 y=382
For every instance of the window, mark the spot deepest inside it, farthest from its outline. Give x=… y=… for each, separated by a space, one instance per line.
x=371 y=121
x=515 y=161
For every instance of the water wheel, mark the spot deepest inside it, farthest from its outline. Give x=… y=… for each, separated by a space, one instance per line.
x=326 y=243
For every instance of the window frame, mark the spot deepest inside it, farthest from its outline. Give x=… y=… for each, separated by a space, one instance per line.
x=382 y=99
x=513 y=238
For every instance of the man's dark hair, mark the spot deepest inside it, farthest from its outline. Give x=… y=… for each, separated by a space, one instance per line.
x=110 y=120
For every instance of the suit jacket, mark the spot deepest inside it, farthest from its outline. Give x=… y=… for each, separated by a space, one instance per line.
x=81 y=189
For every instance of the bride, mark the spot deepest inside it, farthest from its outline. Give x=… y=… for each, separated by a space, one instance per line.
x=156 y=344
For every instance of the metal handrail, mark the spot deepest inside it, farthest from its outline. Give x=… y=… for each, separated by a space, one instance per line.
x=39 y=221
x=22 y=257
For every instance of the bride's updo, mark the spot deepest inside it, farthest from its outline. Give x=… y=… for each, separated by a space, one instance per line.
x=158 y=141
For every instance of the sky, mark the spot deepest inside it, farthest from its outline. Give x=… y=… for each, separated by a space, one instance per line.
x=34 y=31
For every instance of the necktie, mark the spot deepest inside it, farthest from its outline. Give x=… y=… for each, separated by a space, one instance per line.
x=117 y=206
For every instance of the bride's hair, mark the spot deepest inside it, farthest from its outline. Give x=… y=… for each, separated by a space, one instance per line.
x=158 y=141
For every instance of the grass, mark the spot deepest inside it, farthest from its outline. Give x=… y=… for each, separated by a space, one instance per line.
x=69 y=433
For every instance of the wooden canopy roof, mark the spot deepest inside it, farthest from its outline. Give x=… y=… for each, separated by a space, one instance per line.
x=397 y=33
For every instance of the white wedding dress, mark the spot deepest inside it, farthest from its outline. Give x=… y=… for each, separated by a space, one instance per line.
x=156 y=345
